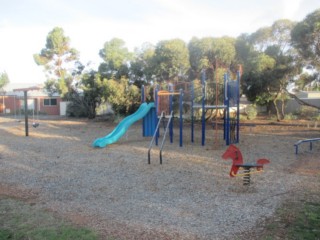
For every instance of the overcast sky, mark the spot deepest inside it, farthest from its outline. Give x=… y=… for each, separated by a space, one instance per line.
x=25 y=24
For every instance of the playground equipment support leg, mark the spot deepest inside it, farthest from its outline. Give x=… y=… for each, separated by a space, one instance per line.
x=25 y=93
x=154 y=136
x=203 y=119
x=181 y=120
x=238 y=108
x=192 y=112
x=164 y=136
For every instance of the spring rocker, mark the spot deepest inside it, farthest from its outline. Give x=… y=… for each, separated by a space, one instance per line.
x=237 y=164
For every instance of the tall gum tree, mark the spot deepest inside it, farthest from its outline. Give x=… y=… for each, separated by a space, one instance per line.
x=306 y=38
x=116 y=58
x=213 y=54
x=142 y=65
x=271 y=65
x=171 y=60
x=58 y=59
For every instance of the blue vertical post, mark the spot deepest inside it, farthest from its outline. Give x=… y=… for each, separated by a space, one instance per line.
x=203 y=120
x=192 y=113
x=238 y=106
x=227 y=111
x=142 y=94
x=170 y=109
x=157 y=109
x=225 y=103
x=142 y=101
x=181 y=120
x=26 y=124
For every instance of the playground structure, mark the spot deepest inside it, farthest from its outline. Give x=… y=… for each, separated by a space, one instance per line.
x=181 y=95
x=190 y=95
x=197 y=99
x=237 y=163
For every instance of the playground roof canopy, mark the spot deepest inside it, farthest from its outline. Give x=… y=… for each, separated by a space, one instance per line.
x=17 y=89
x=34 y=88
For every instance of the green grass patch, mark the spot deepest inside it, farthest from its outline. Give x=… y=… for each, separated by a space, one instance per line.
x=296 y=221
x=19 y=220
x=306 y=224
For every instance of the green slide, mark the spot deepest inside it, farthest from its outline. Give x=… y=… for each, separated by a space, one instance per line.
x=123 y=126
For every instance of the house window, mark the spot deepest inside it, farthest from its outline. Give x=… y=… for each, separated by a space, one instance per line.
x=50 y=102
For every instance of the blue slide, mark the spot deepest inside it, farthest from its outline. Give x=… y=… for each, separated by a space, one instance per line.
x=123 y=126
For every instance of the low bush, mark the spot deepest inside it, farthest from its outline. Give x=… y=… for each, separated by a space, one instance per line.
x=251 y=111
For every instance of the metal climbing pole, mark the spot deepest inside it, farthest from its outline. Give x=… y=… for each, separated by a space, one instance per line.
x=203 y=118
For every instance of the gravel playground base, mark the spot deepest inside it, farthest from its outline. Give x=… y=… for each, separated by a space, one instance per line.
x=190 y=196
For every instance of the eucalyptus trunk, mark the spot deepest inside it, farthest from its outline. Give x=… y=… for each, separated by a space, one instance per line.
x=276 y=107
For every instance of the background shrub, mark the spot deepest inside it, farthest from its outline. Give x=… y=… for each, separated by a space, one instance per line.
x=251 y=111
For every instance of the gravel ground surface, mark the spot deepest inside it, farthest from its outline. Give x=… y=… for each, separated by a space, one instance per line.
x=189 y=196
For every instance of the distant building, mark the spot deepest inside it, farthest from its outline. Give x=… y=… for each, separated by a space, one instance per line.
x=39 y=101
x=308 y=94
x=311 y=97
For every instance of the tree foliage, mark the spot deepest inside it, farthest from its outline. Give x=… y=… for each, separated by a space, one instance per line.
x=57 y=58
x=87 y=95
x=171 y=59
x=260 y=39
x=94 y=90
x=223 y=51
x=243 y=48
x=281 y=35
x=123 y=97
x=261 y=62
x=305 y=80
x=198 y=50
x=270 y=59
x=4 y=80
x=306 y=38
x=142 y=66
x=213 y=54
x=116 y=58
x=271 y=64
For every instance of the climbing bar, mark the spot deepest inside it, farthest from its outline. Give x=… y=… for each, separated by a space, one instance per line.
x=166 y=93
x=311 y=140
x=210 y=106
